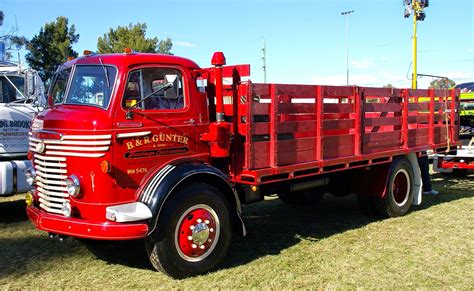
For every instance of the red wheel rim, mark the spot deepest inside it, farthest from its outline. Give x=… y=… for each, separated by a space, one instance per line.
x=197 y=233
x=401 y=187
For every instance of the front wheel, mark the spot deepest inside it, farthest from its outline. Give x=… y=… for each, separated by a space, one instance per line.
x=399 y=189
x=197 y=232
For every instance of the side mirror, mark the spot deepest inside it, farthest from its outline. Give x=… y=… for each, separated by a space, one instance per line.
x=170 y=78
x=30 y=83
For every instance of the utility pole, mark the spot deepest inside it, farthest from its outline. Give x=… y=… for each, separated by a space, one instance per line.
x=415 y=6
x=346 y=13
x=264 y=59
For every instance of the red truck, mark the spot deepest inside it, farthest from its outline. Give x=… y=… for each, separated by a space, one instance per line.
x=153 y=147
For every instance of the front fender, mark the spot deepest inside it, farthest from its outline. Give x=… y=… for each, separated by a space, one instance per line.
x=171 y=176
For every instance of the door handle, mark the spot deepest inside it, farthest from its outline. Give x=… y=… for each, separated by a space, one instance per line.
x=191 y=121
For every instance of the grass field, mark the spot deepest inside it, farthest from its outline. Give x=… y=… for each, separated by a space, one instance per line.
x=331 y=246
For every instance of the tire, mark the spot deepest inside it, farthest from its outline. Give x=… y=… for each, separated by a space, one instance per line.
x=399 y=190
x=197 y=232
x=310 y=196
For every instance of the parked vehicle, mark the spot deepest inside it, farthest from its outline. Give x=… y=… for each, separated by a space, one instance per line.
x=17 y=109
x=460 y=161
x=148 y=146
x=467 y=109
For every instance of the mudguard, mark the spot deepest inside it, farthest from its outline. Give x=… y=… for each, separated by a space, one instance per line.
x=168 y=178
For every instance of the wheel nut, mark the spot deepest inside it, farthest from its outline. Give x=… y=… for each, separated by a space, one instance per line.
x=194 y=246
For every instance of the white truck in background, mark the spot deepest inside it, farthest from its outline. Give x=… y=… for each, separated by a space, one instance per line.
x=21 y=97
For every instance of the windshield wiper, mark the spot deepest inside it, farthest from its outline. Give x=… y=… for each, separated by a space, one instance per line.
x=129 y=114
x=105 y=72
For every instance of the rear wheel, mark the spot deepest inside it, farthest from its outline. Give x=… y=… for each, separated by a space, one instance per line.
x=197 y=231
x=399 y=190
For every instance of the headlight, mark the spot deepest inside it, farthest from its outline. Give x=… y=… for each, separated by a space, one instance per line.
x=30 y=175
x=73 y=186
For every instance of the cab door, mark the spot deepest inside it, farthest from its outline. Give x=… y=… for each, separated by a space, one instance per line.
x=155 y=124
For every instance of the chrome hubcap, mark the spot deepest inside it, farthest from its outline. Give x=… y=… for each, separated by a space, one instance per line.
x=200 y=233
x=197 y=233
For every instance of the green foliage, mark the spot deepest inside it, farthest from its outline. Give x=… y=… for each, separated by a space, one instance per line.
x=132 y=36
x=18 y=41
x=388 y=86
x=442 y=83
x=51 y=47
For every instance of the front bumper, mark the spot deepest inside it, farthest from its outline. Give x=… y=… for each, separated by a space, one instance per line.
x=102 y=230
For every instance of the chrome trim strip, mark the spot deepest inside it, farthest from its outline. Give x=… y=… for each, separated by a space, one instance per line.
x=50 y=204
x=48 y=187
x=159 y=181
x=48 y=131
x=84 y=155
x=132 y=134
x=54 y=199
x=59 y=159
x=46 y=164
x=72 y=142
x=69 y=148
x=152 y=182
x=65 y=195
x=52 y=210
x=44 y=175
x=55 y=182
x=48 y=170
x=88 y=137
x=34 y=139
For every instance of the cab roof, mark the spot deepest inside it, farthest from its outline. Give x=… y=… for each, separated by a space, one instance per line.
x=127 y=60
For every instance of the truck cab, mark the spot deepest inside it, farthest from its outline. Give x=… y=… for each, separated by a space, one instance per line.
x=121 y=133
x=114 y=120
x=21 y=97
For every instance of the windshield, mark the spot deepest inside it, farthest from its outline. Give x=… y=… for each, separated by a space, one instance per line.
x=89 y=85
x=7 y=90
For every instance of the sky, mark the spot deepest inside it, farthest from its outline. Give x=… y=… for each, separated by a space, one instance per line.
x=305 y=39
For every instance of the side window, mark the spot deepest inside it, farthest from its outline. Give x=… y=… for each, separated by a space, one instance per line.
x=8 y=92
x=154 y=89
x=58 y=89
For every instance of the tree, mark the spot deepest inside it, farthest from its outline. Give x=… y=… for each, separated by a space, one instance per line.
x=388 y=86
x=442 y=83
x=51 y=47
x=132 y=36
x=18 y=41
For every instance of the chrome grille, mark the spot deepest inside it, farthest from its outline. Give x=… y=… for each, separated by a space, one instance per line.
x=51 y=182
x=51 y=164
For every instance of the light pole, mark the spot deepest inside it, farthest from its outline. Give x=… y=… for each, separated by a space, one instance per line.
x=264 y=60
x=415 y=6
x=346 y=13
